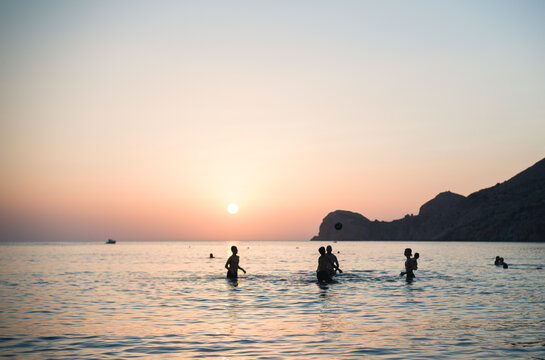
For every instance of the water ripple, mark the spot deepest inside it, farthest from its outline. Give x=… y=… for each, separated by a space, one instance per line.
x=96 y=302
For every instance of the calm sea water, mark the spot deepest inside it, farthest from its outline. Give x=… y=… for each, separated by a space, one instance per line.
x=170 y=301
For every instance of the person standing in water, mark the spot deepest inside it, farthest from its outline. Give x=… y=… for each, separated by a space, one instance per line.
x=333 y=259
x=232 y=264
x=409 y=264
x=323 y=273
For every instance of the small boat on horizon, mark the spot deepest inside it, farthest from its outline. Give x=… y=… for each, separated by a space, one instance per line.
x=110 y=241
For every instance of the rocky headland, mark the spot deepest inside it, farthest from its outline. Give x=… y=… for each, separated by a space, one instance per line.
x=510 y=211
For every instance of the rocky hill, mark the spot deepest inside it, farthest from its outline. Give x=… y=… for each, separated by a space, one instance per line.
x=511 y=211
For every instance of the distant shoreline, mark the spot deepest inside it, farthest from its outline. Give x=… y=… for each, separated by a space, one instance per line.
x=512 y=211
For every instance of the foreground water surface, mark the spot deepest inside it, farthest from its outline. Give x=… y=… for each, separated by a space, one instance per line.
x=171 y=301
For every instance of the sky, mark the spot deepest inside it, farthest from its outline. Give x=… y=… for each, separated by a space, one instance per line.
x=143 y=120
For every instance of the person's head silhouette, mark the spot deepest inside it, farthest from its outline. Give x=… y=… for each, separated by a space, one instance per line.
x=328 y=249
x=408 y=252
x=321 y=250
x=234 y=249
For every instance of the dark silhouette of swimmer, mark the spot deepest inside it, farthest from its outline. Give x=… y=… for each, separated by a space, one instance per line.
x=232 y=264
x=410 y=263
x=333 y=259
x=324 y=266
x=500 y=262
x=211 y=256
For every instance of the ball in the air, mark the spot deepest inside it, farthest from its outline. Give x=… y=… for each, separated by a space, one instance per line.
x=338 y=226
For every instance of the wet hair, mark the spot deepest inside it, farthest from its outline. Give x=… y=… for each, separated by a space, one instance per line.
x=408 y=252
x=321 y=250
x=234 y=249
x=329 y=248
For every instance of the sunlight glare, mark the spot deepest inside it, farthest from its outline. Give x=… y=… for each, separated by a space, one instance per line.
x=232 y=208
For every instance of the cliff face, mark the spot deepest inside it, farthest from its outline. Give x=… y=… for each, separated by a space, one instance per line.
x=510 y=211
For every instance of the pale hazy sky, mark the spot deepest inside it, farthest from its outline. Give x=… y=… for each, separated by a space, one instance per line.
x=142 y=120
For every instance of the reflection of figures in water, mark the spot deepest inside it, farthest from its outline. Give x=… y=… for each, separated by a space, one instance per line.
x=411 y=264
x=325 y=266
x=232 y=264
x=334 y=266
x=500 y=262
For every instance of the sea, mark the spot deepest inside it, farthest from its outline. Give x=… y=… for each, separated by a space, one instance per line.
x=170 y=300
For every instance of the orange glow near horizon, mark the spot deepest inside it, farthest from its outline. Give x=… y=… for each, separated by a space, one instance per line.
x=146 y=131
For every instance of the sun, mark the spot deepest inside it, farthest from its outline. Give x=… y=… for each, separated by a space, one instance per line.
x=232 y=208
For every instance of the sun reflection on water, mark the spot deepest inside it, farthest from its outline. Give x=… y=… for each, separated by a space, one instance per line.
x=95 y=300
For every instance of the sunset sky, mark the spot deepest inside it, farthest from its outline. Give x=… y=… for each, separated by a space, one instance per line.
x=143 y=120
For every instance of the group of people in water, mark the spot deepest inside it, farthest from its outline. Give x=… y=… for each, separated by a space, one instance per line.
x=328 y=264
x=500 y=262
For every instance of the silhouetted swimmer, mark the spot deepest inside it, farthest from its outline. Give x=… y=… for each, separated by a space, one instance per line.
x=334 y=262
x=409 y=264
x=211 y=256
x=324 y=266
x=232 y=264
x=500 y=262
